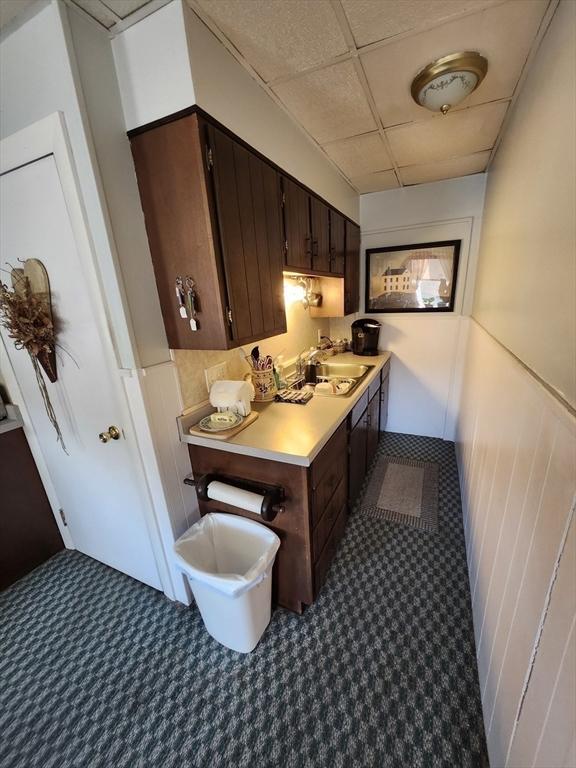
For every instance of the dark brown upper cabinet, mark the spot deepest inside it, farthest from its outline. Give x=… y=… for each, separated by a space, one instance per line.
x=298 y=235
x=320 y=220
x=337 y=243
x=352 y=269
x=213 y=214
x=314 y=233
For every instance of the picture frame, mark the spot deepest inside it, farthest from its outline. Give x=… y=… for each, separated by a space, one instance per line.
x=420 y=277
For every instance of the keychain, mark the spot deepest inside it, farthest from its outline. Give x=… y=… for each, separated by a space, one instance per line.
x=181 y=298
x=191 y=303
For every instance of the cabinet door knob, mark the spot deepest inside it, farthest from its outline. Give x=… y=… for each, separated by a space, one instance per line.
x=113 y=433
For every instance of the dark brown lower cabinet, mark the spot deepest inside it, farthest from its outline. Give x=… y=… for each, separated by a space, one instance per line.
x=358 y=456
x=314 y=515
x=28 y=532
x=317 y=497
x=372 y=428
x=365 y=425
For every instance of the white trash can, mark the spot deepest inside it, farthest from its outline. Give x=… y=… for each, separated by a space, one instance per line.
x=228 y=560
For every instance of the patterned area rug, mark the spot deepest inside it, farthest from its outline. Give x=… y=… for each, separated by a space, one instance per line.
x=403 y=491
x=99 y=671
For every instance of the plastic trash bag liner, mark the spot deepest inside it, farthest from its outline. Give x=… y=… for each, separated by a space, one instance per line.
x=227 y=552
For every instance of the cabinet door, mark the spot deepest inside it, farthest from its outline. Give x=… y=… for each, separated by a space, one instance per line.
x=357 y=462
x=384 y=401
x=352 y=269
x=297 y=226
x=373 y=428
x=320 y=219
x=337 y=245
x=248 y=211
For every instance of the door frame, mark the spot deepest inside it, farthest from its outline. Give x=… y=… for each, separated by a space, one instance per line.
x=49 y=137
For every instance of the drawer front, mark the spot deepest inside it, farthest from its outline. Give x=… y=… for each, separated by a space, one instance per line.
x=358 y=410
x=374 y=387
x=328 y=456
x=326 y=521
x=323 y=564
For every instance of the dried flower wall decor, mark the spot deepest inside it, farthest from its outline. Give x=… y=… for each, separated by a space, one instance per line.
x=26 y=313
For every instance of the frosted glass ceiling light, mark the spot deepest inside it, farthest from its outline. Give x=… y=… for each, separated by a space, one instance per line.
x=446 y=82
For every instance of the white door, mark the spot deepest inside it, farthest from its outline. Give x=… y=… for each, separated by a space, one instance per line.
x=96 y=484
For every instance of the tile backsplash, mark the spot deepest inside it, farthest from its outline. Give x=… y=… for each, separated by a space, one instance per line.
x=302 y=332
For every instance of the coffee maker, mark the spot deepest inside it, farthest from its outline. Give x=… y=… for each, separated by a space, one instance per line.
x=365 y=335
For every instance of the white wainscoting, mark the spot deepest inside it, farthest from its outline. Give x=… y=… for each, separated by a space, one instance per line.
x=165 y=458
x=516 y=447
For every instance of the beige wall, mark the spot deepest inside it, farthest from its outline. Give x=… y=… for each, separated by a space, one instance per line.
x=302 y=332
x=526 y=282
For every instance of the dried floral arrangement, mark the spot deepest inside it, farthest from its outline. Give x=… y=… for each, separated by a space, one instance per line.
x=27 y=317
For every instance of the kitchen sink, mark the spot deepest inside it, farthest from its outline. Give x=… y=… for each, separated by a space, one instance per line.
x=342 y=370
x=347 y=373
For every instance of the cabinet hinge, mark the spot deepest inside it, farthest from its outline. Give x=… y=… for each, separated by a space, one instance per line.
x=283 y=199
x=229 y=315
x=285 y=246
x=209 y=157
x=63 y=516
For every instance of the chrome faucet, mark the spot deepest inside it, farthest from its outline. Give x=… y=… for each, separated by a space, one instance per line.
x=308 y=357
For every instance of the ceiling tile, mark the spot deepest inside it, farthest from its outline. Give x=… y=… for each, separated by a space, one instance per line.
x=98 y=11
x=375 y=182
x=329 y=102
x=124 y=8
x=276 y=37
x=503 y=34
x=445 y=137
x=448 y=169
x=372 y=20
x=360 y=154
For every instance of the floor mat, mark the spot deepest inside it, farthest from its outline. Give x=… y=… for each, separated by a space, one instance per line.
x=403 y=491
x=100 y=671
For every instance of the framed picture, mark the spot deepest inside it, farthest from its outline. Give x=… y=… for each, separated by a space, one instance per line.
x=412 y=278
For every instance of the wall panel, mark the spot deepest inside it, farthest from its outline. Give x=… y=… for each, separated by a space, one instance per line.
x=517 y=457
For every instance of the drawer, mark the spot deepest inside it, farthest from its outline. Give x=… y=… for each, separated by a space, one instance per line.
x=358 y=410
x=323 y=563
x=375 y=386
x=326 y=521
x=329 y=455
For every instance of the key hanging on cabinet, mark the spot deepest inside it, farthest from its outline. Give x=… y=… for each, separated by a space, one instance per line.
x=180 y=295
x=191 y=299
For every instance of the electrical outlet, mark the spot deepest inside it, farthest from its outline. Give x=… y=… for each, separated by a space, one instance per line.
x=215 y=373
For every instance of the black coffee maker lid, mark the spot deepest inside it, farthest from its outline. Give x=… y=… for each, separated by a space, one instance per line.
x=366 y=322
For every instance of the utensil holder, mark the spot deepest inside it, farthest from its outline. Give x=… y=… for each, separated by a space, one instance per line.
x=264 y=385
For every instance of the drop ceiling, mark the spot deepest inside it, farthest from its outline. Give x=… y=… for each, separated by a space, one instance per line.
x=342 y=69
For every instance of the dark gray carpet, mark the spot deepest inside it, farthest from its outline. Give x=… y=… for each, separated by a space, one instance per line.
x=97 y=670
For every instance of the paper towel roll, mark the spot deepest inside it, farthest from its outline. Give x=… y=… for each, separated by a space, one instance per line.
x=237 y=497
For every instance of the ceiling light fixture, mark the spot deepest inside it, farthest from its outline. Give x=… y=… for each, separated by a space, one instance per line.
x=446 y=82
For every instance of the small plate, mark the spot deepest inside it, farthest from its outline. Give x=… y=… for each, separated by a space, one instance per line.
x=207 y=425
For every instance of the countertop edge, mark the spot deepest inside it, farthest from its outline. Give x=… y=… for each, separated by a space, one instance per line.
x=285 y=458
x=13 y=420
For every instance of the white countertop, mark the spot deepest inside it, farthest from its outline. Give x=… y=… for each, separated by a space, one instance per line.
x=293 y=434
x=13 y=420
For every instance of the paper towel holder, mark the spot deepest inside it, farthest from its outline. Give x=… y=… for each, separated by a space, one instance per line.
x=273 y=495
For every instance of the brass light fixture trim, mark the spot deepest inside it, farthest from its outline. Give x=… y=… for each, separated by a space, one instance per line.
x=463 y=61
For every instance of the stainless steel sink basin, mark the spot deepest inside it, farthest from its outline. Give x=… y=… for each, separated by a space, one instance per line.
x=351 y=372
x=342 y=370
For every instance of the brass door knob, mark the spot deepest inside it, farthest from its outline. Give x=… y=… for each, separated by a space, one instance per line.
x=113 y=433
